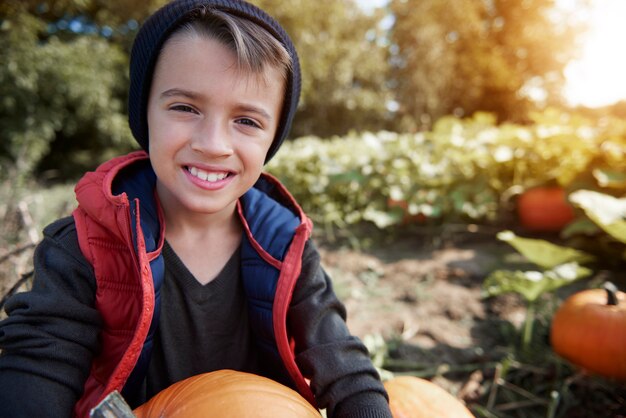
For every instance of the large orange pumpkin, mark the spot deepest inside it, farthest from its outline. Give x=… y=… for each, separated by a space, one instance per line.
x=589 y=329
x=227 y=393
x=414 y=397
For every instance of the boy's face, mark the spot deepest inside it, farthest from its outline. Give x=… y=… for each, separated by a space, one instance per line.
x=210 y=126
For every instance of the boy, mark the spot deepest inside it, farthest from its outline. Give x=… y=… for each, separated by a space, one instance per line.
x=186 y=259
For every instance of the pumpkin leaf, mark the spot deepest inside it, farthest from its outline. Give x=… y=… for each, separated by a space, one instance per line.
x=605 y=210
x=532 y=284
x=582 y=226
x=543 y=253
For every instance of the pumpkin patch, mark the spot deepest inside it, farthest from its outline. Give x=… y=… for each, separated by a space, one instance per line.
x=589 y=329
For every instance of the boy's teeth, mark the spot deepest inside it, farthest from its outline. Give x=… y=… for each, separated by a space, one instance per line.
x=206 y=176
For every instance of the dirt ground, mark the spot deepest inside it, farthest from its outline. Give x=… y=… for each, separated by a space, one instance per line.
x=391 y=290
x=424 y=294
x=423 y=297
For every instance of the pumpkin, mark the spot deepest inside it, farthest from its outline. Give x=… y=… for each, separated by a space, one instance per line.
x=589 y=330
x=414 y=397
x=227 y=393
x=544 y=209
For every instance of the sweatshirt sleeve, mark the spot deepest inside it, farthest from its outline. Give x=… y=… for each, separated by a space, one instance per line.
x=50 y=335
x=343 y=378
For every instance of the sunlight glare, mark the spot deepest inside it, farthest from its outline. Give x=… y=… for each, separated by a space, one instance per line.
x=598 y=78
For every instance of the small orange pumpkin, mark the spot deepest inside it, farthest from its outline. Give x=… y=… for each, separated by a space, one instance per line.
x=414 y=397
x=589 y=329
x=227 y=393
x=544 y=209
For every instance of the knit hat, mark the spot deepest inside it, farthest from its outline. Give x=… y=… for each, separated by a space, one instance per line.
x=158 y=27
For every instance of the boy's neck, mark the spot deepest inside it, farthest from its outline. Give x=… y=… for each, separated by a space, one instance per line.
x=204 y=247
x=200 y=227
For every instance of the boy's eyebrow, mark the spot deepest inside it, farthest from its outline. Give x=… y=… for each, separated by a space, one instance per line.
x=179 y=92
x=254 y=109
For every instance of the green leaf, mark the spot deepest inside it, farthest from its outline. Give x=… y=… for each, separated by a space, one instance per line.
x=383 y=219
x=544 y=253
x=607 y=211
x=532 y=284
x=608 y=178
x=582 y=226
x=347 y=177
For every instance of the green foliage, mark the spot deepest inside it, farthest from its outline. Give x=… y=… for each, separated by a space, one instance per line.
x=463 y=170
x=347 y=180
x=603 y=228
x=560 y=268
x=344 y=65
x=59 y=96
x=606 y=211
x=533 y=284
x=516 y=157
x=544 y=253
x=115 y=20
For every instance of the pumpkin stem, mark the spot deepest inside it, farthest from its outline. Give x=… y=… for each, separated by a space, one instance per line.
x=113 y=405
x=611 y=293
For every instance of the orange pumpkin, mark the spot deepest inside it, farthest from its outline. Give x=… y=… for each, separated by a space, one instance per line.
x=544 y=209
x=227 y=393
x=413 y=397
x=589 y=329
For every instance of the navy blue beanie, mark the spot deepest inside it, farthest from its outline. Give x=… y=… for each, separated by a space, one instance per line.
x=158 y=27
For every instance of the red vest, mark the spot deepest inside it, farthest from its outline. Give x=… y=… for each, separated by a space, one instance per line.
x=112 y=239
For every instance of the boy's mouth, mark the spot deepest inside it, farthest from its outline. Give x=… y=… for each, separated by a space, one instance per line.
x=206 y=175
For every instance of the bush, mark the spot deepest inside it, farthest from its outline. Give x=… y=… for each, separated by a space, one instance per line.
x=463 y=170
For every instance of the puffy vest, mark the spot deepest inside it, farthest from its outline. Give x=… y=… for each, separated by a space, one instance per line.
x=120 y=231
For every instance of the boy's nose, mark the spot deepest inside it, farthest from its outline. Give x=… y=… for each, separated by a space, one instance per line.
x=213 y=139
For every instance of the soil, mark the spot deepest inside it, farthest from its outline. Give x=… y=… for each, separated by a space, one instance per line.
x=418 y=300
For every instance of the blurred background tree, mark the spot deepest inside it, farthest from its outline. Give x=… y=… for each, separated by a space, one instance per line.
x=478 y=55
x=344 y=65
x=63 y=83
x=64 y=76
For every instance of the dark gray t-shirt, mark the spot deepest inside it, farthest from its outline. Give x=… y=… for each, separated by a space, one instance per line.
x=201 y=327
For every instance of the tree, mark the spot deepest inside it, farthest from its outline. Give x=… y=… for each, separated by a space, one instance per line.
x=63 y=83
x=478 y=55
x=344 y=65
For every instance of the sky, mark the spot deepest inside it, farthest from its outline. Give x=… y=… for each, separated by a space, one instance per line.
x=369 y=4
x=598 y=77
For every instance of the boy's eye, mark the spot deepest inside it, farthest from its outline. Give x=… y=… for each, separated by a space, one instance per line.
x=248 y=122
x=183 y=108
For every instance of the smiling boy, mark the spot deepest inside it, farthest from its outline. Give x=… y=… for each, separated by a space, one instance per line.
x=187 y=258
